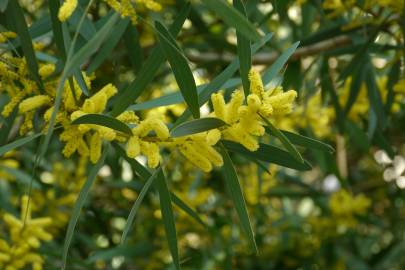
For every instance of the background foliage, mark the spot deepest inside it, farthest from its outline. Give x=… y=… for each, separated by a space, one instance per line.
x=324 y=189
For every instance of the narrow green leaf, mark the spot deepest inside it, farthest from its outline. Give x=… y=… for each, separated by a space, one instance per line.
x=196 y=126
x=15 y=16
x=3 y=5
x=305 y=141
x=235 y=191
x=106 y=49
x=129 y=251
x=90 y=47
x=135 y=207
x=103 y=120
x=284 y=140
x=17 y=143
x=219 y=81
x=269 y=153
x=149 y=69
x=275 y=68
x=233 y=18
x=134 y=49
x=74 y=217
x=355 y=86
x=167 y=217
x=180 y=68
x=244 y=51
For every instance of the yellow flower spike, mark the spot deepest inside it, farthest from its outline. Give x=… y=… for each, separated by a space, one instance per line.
x=282 y=102
x=249 y=121
x=195 y=157
x=152 y=152
x=218 y=103
x=213 y=136
x=399 y=87
x=109 y=90
x=46 y=70
x=5 y=36
x=253 y=102
x=82 y=147
x=128 y=117
x=114 y=4
x=159 y=127
x=8 y=109
x=33 y=103
x=133 y=147
x=89 y=106
x=67 y=9
x=233 y=106
x=210 y=153
x=256 y=84
x=238 y=134
x=105 y=132
x=95 y=147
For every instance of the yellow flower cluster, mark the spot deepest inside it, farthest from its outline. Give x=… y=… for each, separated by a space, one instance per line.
x=244 y=122
x=24 y=239
x=8 y=160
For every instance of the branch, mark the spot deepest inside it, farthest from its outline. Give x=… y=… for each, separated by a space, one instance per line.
x=269 y=58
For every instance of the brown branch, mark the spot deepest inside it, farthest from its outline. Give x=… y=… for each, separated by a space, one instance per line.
x=268 y=58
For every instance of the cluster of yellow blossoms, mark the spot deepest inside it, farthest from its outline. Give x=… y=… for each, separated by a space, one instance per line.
x=25 y=236
x=124 y=7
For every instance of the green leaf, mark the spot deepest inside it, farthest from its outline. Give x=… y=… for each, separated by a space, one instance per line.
x=196 y=126
x=90 y=47
x=374 y=96
x=284 y=140
x=103 y=120
x=15 y=16
x=233 y=18
x=167 y=216
x=235 y=191
x=135 y=207
x=180 y=68
x=355 y=86
x=244 y=51
x=133 y=46
x=269 y=153
x=106 y=49
x=74 y=217
x=3 y=5
x=17 y=143
x=304 y=141
x=275 y=68
x=219 y=81
x=149 y=69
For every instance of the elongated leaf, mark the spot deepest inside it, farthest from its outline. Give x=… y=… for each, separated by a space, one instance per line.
x=16 y=17
x=180 y=68
x=3 y=5
x=90 y=47
x=269 y=153
x=244 y=51
x=233 y=18
x=357 y=81
x=133 y=46
x=218 y=82
x=167 y=216
x=138 y=201
x=17 y=143
x=103 y=120
x=284 y=140
x=149 y=68
x=305 y=141
x=105 y=50
x=235 y=191
x=80 y=203
x=275 y=68
x=196 y=126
